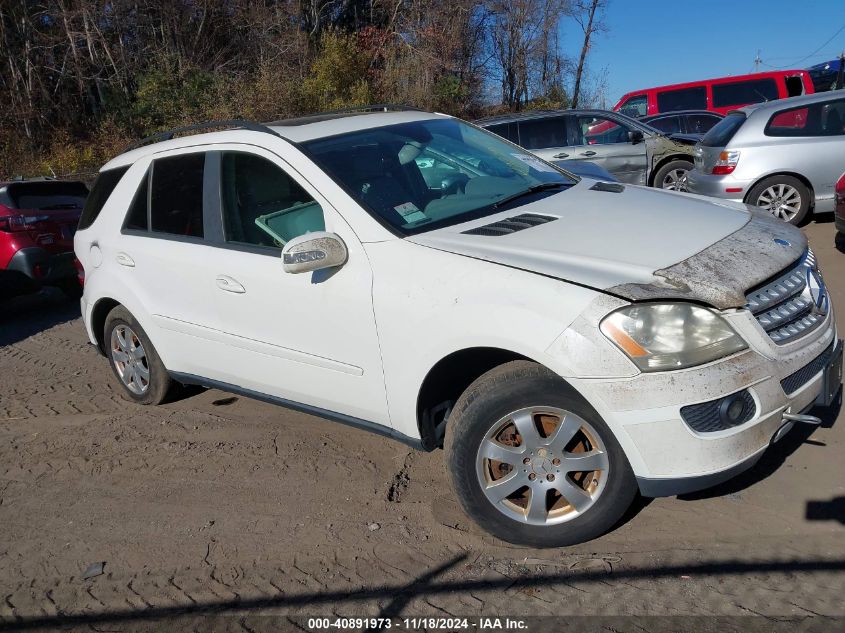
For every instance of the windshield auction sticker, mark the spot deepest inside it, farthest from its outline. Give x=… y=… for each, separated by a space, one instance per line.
x=534 y=163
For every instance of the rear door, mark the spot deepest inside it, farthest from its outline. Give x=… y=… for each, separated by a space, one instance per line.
x=162 y=256
x=728 y=95
x=546 y=137
x=604 y=141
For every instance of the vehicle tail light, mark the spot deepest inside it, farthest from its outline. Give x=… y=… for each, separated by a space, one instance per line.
x=726 y=163
x=17 y=223
x=80 y=271
x=840 y=186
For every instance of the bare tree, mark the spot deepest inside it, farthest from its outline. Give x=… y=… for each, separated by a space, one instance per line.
x=589 y=14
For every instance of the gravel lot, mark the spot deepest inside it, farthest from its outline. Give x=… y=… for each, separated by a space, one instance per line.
x=222 y=502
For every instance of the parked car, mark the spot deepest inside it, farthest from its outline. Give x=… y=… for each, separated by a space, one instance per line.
x=717 y=95
x=630 y=150
x=839 y=209
x=693 y=123
x=38 y=218
x=783 y=156
x=568 y=342
x=827 y=75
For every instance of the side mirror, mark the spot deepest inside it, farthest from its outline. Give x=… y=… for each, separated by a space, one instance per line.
x=635 y=136
x=314 y=251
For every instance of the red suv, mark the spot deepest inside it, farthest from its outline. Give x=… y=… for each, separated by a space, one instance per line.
x=38 y=219
x=839 y=212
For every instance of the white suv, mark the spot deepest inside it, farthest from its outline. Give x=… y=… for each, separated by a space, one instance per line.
x=570 y=342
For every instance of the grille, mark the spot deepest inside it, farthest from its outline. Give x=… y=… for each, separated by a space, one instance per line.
x=794 y=381
x=705 y=417
x=511 y=225
x=791 y=305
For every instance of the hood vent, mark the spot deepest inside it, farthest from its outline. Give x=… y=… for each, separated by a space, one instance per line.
x=511 y=225
x=612 y=187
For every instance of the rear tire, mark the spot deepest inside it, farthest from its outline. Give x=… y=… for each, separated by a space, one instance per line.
x=673 y=175
x=785 y=197
x=541 y=431
x=133 y=359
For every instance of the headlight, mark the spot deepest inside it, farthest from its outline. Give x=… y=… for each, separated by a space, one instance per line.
x=662 y=336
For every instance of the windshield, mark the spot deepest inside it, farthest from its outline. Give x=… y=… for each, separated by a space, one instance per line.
x=424 y=175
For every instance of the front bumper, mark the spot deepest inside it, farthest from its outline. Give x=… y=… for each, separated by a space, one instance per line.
x=668 y=456
x=42 y=266
x=717 y=186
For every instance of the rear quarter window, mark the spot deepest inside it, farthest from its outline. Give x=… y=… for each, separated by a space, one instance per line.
x=103 y=187
x=722 y=133
x=826 y=118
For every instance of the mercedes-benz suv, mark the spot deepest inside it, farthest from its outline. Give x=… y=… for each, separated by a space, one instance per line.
x=569 y=342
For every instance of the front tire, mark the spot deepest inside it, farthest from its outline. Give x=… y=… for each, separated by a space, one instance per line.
x=133 y=359
x=673 y=175
x=785 y=197
x=532 y=463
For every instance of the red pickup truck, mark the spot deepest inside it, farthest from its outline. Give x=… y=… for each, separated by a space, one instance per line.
x=38 y=219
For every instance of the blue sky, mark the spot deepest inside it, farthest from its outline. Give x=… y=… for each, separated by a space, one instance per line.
x=659 y=42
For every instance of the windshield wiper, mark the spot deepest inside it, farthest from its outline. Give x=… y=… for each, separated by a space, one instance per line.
x=533 y=189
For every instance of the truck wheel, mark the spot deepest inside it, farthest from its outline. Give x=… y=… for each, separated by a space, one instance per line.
x=673 y=175
x=785 y=197
x=134 y=360
x=532 y=463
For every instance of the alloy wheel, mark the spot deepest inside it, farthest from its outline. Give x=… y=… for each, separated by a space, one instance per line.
x=675 y=180
x=782 y=201
x=130 y=359
x=542 y=465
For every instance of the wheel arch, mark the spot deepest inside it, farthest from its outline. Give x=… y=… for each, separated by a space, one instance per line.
x=447 y=379
x=98 y=320
x=785 y=172
x=664 y=161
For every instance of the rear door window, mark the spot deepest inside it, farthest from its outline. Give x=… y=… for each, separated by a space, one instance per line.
x=741 y=93
x=682 y=99
x=176 y=195
x=721 y=133
x=669 y=124
x=103 y=187
x=542 y=133
x=700 y=123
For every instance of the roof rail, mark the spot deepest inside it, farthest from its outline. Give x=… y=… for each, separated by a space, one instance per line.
x=375 y=107
x=208 y=125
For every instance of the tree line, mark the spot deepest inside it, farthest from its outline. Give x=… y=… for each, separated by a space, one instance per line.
x=80 y=79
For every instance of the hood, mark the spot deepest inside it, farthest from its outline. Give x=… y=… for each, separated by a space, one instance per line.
x=635 y=242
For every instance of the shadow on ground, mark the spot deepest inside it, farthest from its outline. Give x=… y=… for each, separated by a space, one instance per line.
x=21 y=317
x=398 y=596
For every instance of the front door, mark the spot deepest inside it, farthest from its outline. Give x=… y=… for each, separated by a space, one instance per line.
x=310 y=337
x=605 y=141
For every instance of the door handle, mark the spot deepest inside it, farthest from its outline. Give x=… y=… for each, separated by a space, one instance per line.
x=589 y=152
x=561 y=155
x=124 y=260
x=224 y=282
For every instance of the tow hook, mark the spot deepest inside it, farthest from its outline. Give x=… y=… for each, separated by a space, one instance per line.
x=800 y=417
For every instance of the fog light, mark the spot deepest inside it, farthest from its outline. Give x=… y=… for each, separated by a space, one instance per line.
x=732 y=409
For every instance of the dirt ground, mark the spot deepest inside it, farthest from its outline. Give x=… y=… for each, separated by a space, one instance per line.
x=230 y=504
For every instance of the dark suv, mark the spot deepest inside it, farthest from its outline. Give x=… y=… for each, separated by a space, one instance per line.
x=632 y=151
x=38 y=219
